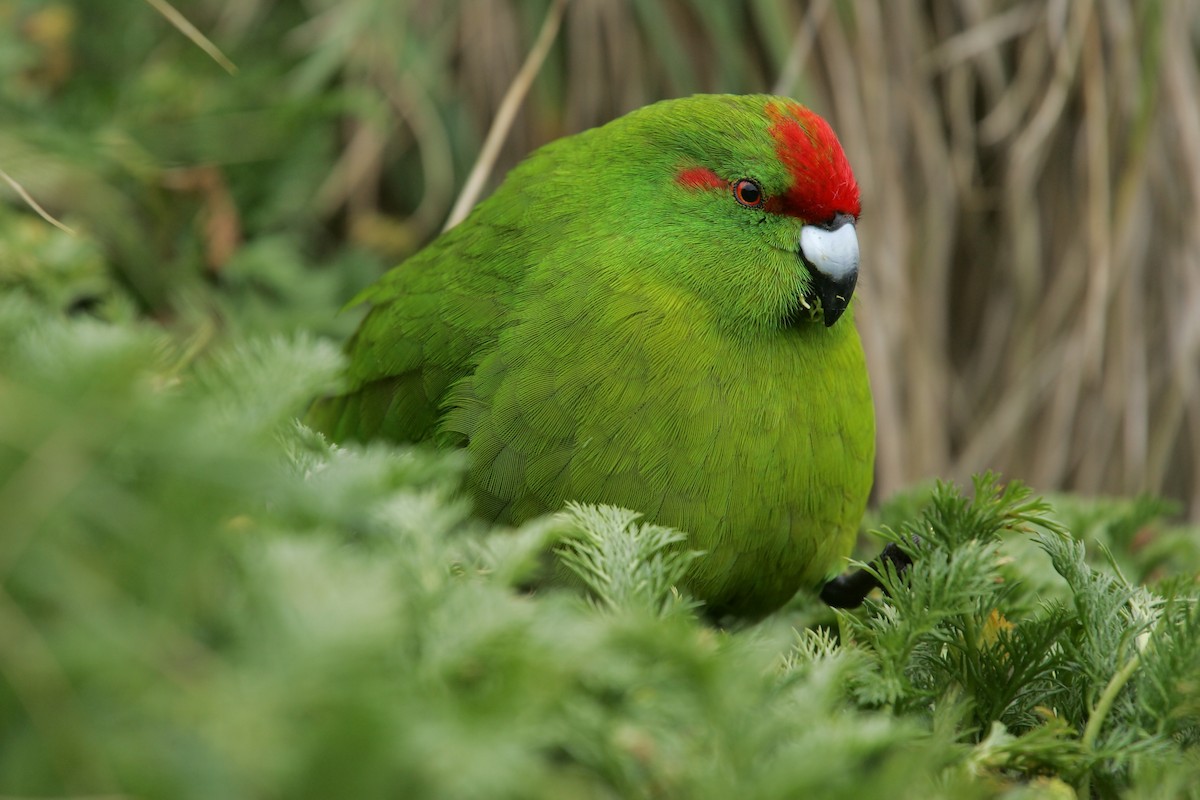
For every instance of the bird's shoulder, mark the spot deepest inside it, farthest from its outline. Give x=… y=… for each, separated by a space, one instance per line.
x=427 y=321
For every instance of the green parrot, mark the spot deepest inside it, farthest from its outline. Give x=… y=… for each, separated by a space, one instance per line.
x=652 y=314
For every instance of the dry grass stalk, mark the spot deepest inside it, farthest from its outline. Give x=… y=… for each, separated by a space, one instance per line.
x=505 y=115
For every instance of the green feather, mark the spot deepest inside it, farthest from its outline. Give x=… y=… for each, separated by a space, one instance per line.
x=597 y=331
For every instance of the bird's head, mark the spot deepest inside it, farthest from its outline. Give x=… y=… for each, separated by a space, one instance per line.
x=753 y=205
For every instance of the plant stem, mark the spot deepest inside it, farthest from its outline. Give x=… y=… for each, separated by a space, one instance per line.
x=1100 y=711
x=508 y=111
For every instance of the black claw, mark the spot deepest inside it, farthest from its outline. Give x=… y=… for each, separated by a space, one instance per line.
x=849 y=590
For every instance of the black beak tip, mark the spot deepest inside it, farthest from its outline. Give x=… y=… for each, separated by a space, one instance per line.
x=832 y=313
x=835 y=297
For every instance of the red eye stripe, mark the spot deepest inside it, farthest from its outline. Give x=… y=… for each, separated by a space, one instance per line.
x=745 y=191
x=699 y=178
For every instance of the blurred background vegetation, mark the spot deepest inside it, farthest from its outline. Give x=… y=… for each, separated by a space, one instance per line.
x=1030 y=297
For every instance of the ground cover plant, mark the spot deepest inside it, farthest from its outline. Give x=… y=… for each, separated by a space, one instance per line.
x=201 y=598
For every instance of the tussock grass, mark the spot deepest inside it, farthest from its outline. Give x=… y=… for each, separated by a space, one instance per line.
x=1033 y=263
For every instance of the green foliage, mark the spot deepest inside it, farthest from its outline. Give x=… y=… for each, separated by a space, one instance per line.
x=64 y=272
x=201 y=598
x=622 y=564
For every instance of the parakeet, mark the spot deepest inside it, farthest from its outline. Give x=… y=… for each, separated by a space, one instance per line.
x=654 y=314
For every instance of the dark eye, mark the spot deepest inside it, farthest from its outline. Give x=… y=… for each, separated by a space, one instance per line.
x=748 y=193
